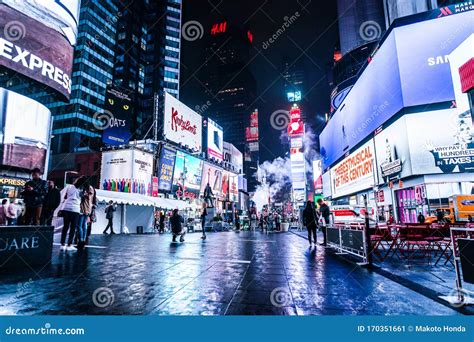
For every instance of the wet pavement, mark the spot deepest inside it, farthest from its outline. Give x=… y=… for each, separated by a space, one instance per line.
x=246 y=273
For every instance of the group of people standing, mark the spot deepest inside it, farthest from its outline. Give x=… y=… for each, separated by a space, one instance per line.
x=311 y=219
x=40 y=200
x=78 y=213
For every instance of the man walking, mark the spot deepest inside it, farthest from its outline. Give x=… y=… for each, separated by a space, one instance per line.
x=33 y=196
x=325 y=213
x=51 y=202
x=109 y=215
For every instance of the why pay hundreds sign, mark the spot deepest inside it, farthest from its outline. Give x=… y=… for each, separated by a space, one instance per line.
x=355 y=172
x=182 y=125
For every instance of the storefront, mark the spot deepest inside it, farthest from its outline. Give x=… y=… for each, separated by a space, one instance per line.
x=10 y=187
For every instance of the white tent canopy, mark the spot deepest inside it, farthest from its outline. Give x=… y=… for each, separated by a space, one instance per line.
x=141 y=200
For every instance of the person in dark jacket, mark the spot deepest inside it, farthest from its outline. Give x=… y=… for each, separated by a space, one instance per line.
x=176 y=222
x=325 y=213
x=203 y=221
x=310 y=221
x=421 y=218
x=161 y=222
x=109 y=215
x=51 y=202
x=33 y=196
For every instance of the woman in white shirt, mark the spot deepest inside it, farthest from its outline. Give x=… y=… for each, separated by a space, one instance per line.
x=70 y=212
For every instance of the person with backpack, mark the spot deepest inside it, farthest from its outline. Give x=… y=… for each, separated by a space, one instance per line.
x=86 y=210
x=109 y=215
x=176 y=222
x=310 y=221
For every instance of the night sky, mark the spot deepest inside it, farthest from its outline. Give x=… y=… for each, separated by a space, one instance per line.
x=308 y=42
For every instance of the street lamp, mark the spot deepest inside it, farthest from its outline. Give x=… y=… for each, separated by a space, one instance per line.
x=66 y=173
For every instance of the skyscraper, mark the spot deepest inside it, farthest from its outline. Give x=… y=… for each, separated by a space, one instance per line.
x=147 y=59
x=230 y=85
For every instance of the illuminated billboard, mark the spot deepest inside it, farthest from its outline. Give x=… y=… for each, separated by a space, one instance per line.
x=233 y=157
x=317 y=177
x=35 y=50
x=165 y=168
x=127 y=171
x=187 y=177
x=215 y=140
x=293 y=96
x=413 y=66
x=182 y=125
x=355 y=172
x=118 y=111
x=60 y=15
x=25 y=131
x=213 y=176
x=298 y=173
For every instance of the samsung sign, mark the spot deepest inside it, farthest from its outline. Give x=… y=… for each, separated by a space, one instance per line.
x=410 y=68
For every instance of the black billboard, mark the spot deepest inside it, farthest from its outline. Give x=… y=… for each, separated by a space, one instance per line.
x=117 y=116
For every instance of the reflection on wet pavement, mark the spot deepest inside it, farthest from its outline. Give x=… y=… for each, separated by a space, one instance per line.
x=246 y=273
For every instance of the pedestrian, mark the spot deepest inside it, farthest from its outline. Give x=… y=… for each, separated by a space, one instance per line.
x=277 y=221
x=421 y=218
x=310 y=221
x=51 y=201
x=469 y=218
x=162 y=222
x=92 y=216
x=176 y=222
x=70 y=212
x=391 y=219
x=203 y=221
x=109 y=215
x=3 y=212
x=33 y=196
x=325 y=213
x=237 y=220
x=440 y=215
x=87 y=193
x=12 y=213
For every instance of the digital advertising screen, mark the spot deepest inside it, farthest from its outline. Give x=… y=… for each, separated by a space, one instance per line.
x=213 y=176
x=182 y=125
x=233 y=157
x=165 y=169
x=410 y=68
x=129 y=170
x=187 y=177
x=35 y=50
x=25 y=131
x=215 y=140
x=118 y=113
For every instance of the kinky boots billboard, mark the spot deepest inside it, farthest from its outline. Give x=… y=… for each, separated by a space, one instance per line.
x=25 y=246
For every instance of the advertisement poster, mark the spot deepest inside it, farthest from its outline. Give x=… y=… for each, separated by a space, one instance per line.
x=215 y=140
x=118 y=110
x=61 y=15
x=233 y=157
x=182 y=125
x=233 y=187
x=165 y=169
x=127 y=171
x=23 y=145
x=154 y=186
x=414 y=69
x=317 y=177
x=298 y=173
x=445 y=144
x=41 y=54
x=212 y=175
x=355 y=172
x=187 y=176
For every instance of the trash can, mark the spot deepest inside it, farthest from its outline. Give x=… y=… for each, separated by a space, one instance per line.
x=139 y=229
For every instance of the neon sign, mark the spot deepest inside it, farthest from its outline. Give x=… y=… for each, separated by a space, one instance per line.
x=219 y=28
